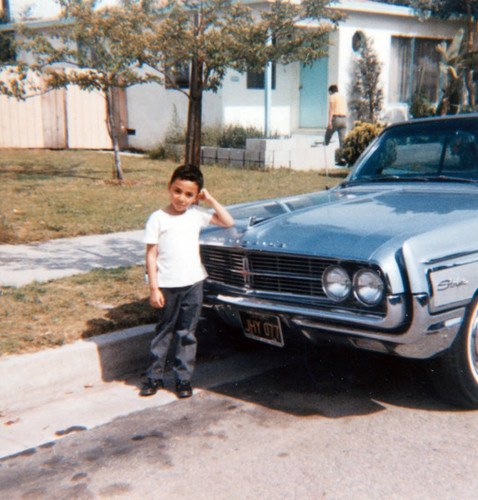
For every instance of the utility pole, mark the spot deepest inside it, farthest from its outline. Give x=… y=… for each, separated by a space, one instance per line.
x=268 y=94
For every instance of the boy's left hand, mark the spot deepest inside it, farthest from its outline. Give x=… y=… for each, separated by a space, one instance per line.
x=222 y=217
x=205 y=196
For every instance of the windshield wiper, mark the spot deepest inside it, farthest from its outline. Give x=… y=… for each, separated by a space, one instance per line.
x=365 y=180
x=428 y=178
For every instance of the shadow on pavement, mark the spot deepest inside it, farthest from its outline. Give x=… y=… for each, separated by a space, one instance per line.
x=330 y=381
x=335 y=382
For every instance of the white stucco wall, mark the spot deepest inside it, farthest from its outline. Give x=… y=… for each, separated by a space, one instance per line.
x=151 y=110
x=246 y=106
x=42 y=9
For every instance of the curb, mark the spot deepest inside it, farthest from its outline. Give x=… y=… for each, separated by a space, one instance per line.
x=98 y=359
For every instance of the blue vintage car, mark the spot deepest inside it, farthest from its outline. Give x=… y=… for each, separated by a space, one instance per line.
x=386 y=261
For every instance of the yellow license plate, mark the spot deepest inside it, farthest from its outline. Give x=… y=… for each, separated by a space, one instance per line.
x=263 y=328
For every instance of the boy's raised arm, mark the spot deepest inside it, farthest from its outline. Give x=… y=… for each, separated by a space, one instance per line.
x=221 y=217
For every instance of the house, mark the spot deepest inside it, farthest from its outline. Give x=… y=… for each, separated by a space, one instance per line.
x=405 y=46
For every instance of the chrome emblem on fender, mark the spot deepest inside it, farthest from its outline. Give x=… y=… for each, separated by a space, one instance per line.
x=448 y=284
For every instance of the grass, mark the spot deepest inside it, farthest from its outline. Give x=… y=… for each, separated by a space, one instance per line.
x=64 y=310
x=55 y=194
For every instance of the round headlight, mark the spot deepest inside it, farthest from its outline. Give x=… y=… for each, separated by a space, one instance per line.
x=369 y=287
x=336 y=283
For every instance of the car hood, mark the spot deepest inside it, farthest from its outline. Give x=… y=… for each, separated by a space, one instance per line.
x=357 y=223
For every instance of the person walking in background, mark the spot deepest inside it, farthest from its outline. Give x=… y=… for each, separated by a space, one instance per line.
x=337 y=119
x=176 y=275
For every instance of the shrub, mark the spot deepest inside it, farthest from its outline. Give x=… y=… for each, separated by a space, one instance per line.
x=157 y=153
x=176 y=132
x=421 y=107
x=211 y=135
x=234 y=136
x=358 y=139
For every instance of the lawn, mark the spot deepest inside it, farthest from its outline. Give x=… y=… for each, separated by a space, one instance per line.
x=56 y=194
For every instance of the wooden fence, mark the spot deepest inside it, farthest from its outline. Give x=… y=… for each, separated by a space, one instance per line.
x=60 y=119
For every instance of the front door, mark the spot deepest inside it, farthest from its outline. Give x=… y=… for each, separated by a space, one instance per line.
x=313 y=94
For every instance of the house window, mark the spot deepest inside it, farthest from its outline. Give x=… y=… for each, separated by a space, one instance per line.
x=255 y=79
x=414 y=69
x=358 y=40
x=178 y=76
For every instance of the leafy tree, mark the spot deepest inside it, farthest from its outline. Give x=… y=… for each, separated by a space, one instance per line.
x=211 y=36
x=90 y=48
x=12 y=76
x=367 y=94
x=7 y=53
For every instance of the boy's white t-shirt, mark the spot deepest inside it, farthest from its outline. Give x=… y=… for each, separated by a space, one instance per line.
x=177 y=236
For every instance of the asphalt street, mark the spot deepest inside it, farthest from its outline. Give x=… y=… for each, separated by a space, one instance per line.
x=332 y=424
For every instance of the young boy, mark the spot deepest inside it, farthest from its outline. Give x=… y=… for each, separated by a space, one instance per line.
x=175 y=275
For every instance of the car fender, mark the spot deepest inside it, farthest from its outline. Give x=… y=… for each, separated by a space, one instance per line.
x=443 y=263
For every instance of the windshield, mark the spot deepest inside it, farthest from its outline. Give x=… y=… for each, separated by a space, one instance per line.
x=446 y=149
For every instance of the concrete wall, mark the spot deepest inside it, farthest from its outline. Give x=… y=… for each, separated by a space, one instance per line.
x=300 y=152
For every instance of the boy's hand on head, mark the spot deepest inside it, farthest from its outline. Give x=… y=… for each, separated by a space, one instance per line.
x=205 y=196
x=222 y=217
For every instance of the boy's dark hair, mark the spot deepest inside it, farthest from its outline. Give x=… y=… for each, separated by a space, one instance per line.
x=188 y=173
x=333 y=89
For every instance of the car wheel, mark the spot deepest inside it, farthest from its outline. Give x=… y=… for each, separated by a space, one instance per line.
x=455 y=373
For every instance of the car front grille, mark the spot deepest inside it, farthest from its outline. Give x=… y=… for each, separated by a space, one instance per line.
x=296 y=278
x=265 y=271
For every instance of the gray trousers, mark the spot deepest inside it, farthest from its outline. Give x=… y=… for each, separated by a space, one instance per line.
x=339 y=124
x=178 y=320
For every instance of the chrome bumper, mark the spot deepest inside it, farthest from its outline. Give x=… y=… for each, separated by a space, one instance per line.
x=420 y=336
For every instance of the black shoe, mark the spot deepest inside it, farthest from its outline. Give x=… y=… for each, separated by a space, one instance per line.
x=184 y=389
x=151 y=386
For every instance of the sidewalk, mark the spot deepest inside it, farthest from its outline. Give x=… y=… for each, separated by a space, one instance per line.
x=36 y=417
x=23 y=264
x=42 y=393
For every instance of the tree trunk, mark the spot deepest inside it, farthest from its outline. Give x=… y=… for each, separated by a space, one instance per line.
x=193 y=132
x=110 y=122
